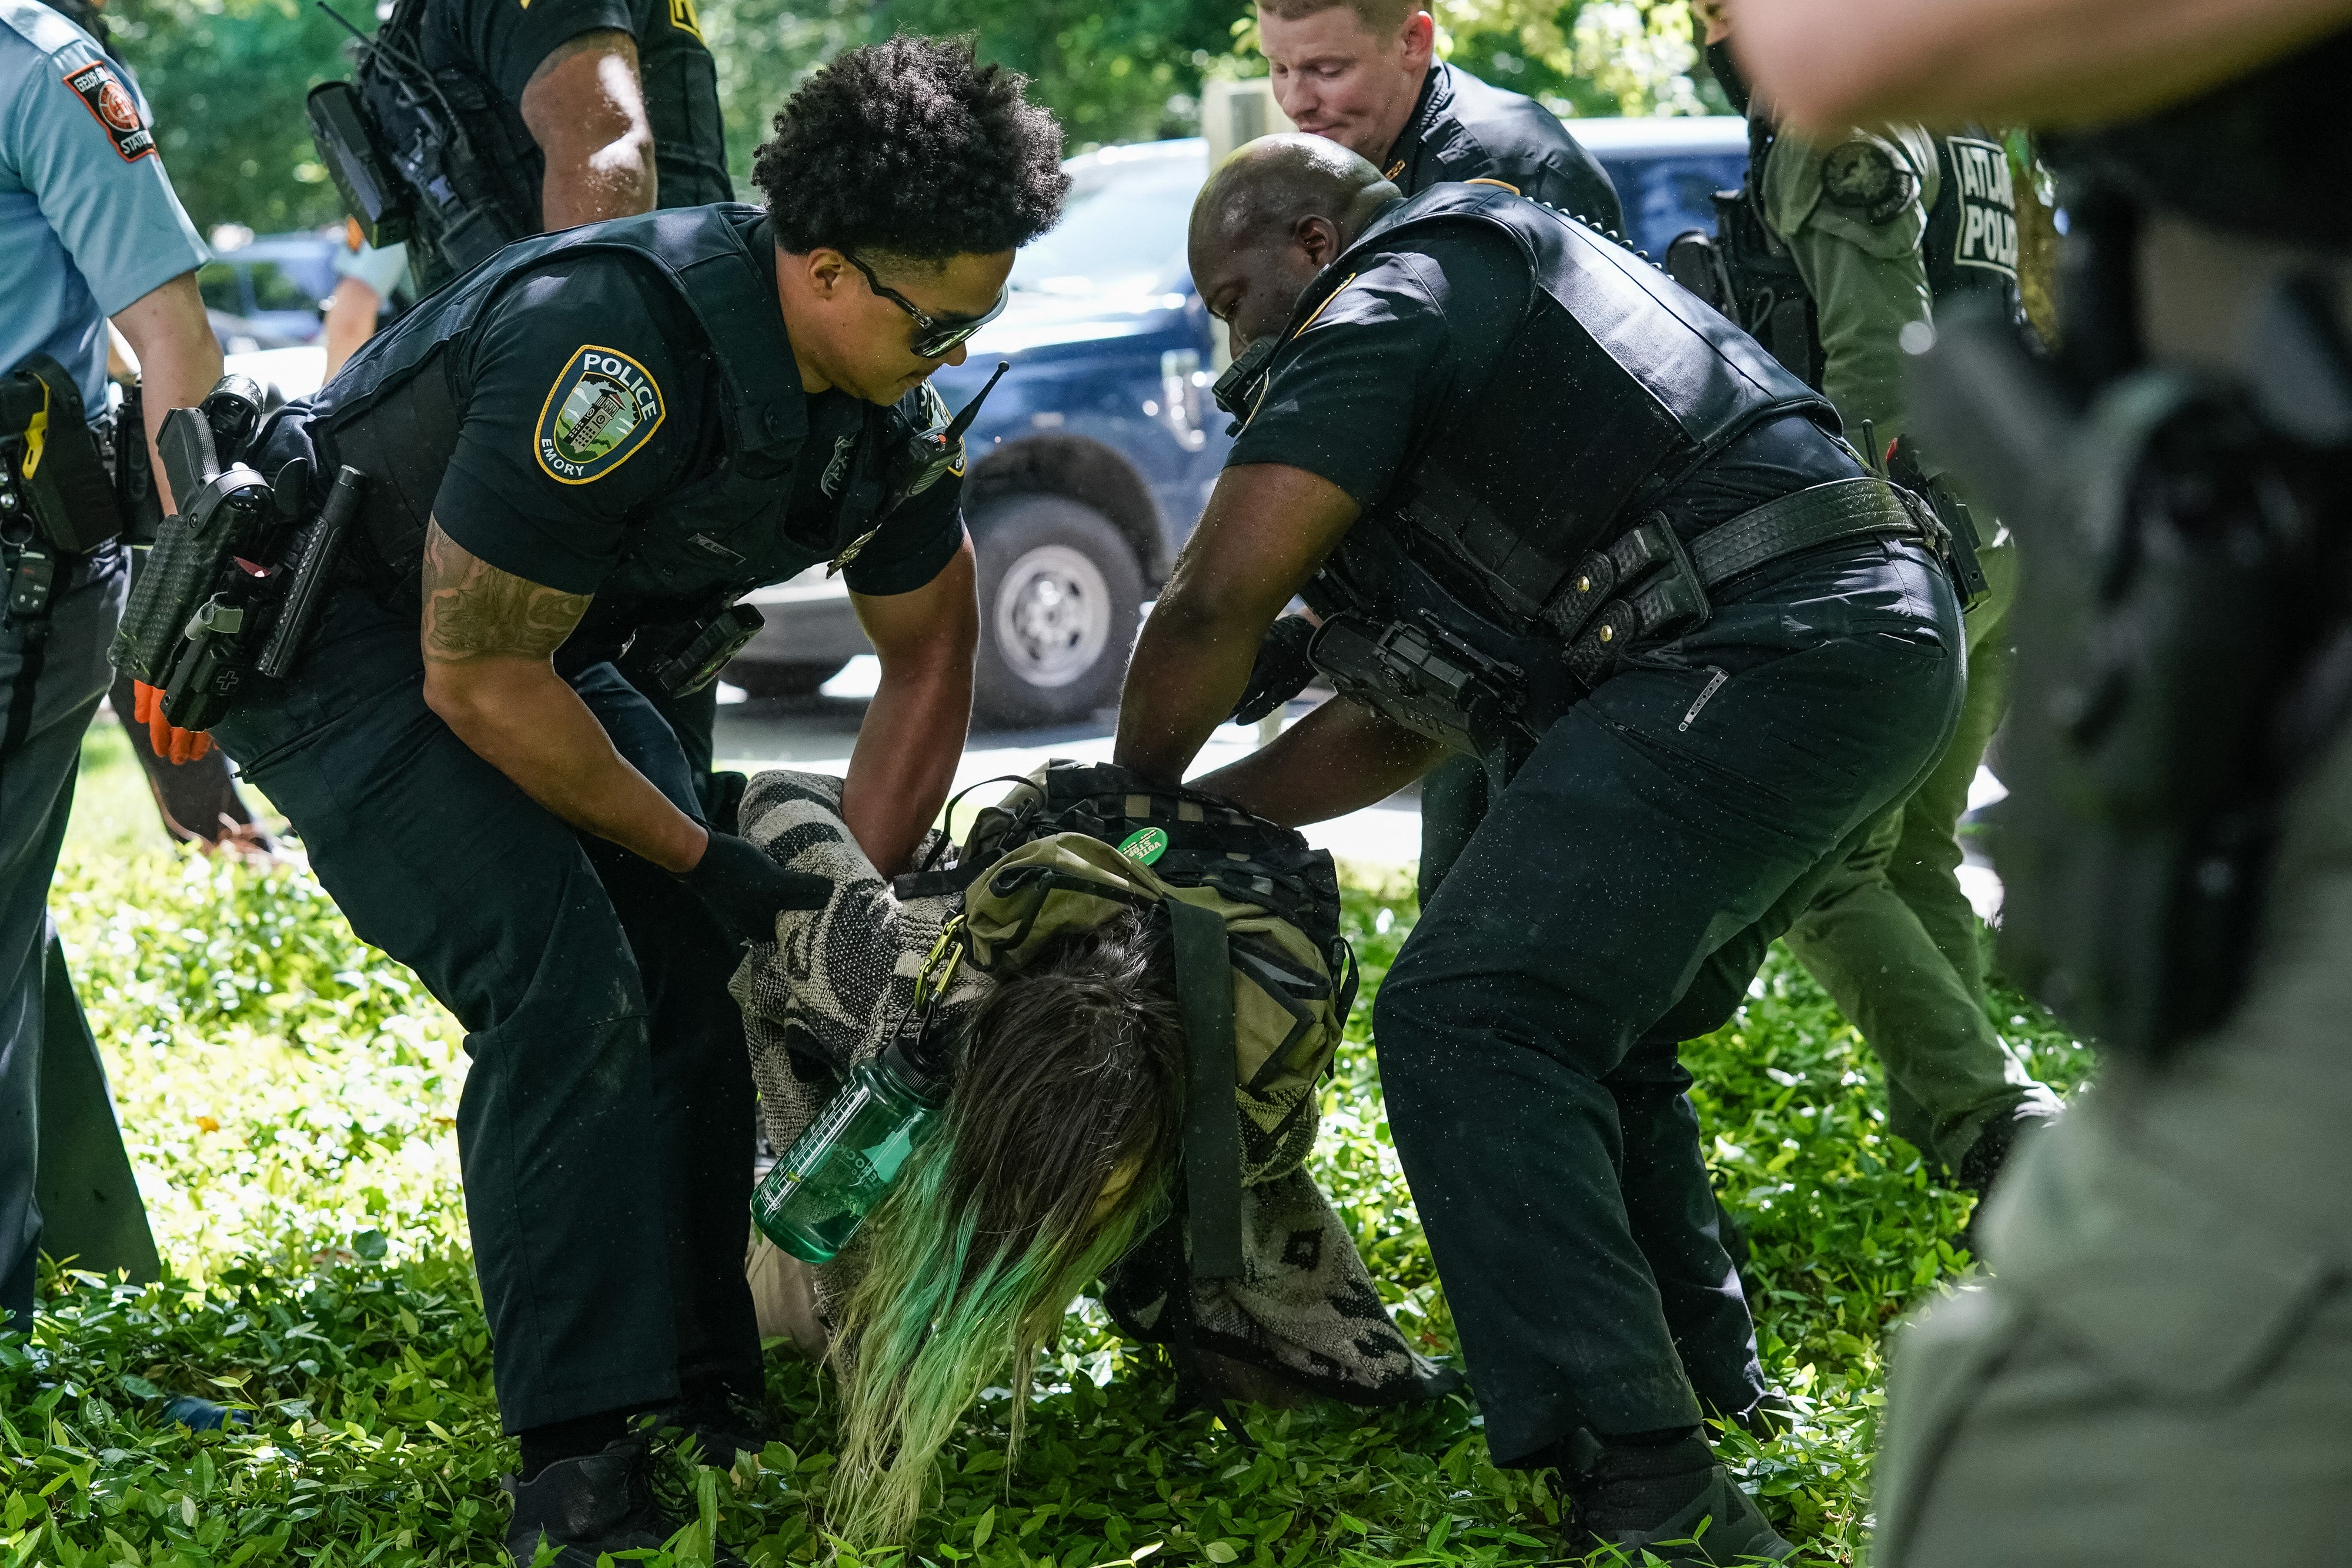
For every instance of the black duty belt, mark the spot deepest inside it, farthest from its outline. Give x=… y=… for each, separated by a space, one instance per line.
x=1648 y=580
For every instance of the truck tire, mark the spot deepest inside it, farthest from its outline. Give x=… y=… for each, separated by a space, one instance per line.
x=768 y=682
x=1060 y=592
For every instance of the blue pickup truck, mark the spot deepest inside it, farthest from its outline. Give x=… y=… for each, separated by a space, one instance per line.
x=1091 y=461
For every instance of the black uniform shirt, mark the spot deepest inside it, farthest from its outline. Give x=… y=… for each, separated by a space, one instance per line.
x=1402 y=351
x=501 y=42
x=591 y=453
x=1464 y=129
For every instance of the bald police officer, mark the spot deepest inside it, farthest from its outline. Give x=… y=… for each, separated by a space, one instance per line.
x=1364 y=74
x=1556 y=515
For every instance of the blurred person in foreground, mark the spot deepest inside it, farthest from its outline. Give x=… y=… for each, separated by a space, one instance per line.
x=1882 y=231
x=2158 y=1370
x=89 y=228
x=1364 y=74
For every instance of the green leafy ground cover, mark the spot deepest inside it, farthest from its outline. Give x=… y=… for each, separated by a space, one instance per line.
x=288 y=1092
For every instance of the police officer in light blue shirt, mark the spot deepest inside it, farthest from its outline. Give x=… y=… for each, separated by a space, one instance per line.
x=89 y=230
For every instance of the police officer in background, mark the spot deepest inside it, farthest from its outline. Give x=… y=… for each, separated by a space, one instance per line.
x=1363 y=73
x=2157 y=1372
x=198 y=799
x=1556 y=514
x=1882 y=229
x=596 y=443
x=581 y=110
x=371 y=281
x=89 y=229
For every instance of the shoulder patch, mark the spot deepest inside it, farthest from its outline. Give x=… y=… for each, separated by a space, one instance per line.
x=116 y=112
x=601 y=409
x=1863 y=177
x=683 y=18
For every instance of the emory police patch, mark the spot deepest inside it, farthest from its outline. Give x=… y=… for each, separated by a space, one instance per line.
x=600 y=411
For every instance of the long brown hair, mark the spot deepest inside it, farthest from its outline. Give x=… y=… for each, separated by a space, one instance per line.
x=1070 y=1087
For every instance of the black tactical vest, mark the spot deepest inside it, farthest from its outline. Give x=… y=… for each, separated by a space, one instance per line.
x=1617 y=385
x=393 y=414
x=681 y=88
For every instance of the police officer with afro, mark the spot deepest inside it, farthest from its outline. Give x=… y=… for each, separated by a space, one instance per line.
x=574 y=461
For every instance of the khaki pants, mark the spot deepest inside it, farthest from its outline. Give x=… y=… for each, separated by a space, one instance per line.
x=2161 y=1371
x=1893 y=940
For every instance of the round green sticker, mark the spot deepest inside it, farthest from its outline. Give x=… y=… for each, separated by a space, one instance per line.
x=1144 y=845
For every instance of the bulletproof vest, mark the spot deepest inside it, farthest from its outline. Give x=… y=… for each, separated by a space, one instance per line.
x=1616 y=384
x=393 y=414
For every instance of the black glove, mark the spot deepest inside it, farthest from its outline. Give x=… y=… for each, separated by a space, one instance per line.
x=1281 y=672
x=745 y=891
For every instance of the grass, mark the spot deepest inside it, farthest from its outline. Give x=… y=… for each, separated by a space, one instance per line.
x=287 y=1095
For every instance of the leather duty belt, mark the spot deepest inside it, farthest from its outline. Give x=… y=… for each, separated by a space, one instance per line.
x=1648 y=580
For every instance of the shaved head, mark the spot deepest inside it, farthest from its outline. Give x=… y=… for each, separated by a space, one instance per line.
x=1271 y=217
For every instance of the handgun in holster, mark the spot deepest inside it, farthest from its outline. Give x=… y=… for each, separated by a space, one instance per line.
x=1961 y=540
x=679 y=661
x=237 y=575
x=1421 y=674
x=2179 y=591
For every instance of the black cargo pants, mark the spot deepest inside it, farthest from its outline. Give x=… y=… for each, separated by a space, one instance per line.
x=1615 y=902
x=605 y=1128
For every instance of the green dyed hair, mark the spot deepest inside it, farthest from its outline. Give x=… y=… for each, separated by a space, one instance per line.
x=1072 y=1074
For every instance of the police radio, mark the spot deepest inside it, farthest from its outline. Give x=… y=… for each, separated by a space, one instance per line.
x=412 y=163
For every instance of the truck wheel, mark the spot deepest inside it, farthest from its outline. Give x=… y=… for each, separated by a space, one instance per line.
x=1060 y=592
x=768 y=682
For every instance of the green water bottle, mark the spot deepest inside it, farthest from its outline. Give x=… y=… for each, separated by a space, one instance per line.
x=815 y=1198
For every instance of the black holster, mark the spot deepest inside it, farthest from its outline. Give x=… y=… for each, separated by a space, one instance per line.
x=2182 y=622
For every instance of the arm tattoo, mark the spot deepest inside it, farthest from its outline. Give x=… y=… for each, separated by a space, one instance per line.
x=472 y=609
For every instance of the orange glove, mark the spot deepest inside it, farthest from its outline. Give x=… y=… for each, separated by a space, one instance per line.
x=171 y=742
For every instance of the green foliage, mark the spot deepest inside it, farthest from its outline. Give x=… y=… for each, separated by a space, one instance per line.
x=286 y=1093
x=226 y=80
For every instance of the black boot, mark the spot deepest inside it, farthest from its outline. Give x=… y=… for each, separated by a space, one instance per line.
x=721 y=1425
x=592 y=1505
x=1674 y=1501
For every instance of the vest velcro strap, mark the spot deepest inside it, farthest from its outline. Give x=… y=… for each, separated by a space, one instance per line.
x=1213 y=1134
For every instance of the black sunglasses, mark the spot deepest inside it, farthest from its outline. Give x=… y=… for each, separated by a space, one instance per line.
x=934 y=335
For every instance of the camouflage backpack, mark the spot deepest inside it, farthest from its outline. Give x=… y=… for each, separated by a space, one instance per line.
x=1263 y=979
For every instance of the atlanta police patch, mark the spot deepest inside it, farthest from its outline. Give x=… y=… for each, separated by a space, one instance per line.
x=600 y=411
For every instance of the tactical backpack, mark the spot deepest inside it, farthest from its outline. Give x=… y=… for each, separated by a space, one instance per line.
x=1263 y=979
